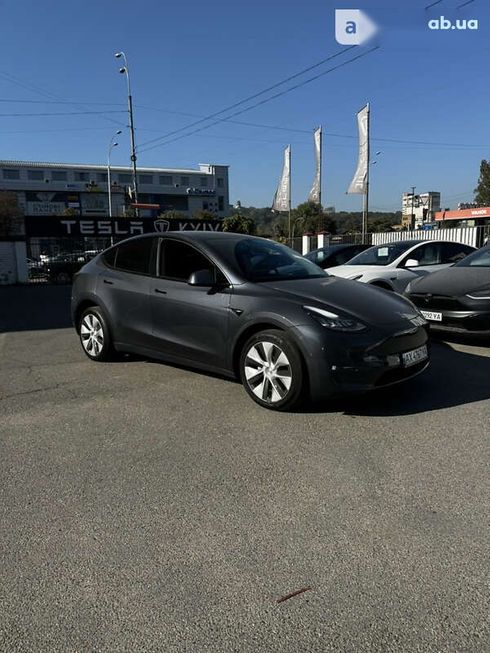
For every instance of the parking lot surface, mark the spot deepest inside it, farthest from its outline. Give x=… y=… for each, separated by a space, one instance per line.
x=146 y=507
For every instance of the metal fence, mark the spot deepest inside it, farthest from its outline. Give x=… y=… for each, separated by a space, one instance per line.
x=56 y=260
x=474 y=236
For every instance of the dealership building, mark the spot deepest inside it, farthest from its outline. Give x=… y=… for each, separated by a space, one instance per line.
x=57 y=189
x=65 y=206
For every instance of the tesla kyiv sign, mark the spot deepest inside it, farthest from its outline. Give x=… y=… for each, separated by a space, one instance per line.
x=62 y=226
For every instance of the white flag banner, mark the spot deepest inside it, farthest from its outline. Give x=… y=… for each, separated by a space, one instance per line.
x=283 y=192
x=358 y=183
x=315 y=192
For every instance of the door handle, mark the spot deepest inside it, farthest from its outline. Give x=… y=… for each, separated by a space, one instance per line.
x=111 y=283
x=160 y=292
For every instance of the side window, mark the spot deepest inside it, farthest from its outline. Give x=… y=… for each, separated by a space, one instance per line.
x=343 y=256
x=428 y=254
x=179 y=260
x=454 y=252
x=134 y=256
x=109 y=257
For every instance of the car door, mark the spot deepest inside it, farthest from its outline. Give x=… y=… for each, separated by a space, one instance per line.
x=428 y=257
x=124 y=290
x=190 y=322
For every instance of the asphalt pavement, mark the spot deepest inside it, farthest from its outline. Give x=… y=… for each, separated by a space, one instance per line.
x=146 y=507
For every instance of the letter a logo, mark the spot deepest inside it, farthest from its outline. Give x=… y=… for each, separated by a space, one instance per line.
x=353 y=27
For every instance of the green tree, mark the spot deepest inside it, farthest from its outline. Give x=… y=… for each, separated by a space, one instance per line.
x=482 y=191
x=10 y=214
x=172 y=215
x=202 y=214
x=313 y=218
x=239 y=224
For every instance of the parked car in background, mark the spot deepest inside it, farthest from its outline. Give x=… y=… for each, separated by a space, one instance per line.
x=61 y=268
x=393 y=265
x=333 y=255
x=250 y=308
x=457 y=300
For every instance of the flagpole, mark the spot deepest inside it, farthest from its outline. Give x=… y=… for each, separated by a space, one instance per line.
x=320 y=175
x=289 y=198
x=365 y=210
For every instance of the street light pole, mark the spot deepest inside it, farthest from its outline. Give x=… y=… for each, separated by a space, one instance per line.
x=125 y=71
x=412 y=215
x=112 y=144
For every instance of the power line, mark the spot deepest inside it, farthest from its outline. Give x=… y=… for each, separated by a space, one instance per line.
x=61 y=113
x=251 y=97
x=40 y=91
x=273 y=97
x=19 y=101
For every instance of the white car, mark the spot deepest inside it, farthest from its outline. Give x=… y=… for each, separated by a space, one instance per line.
x=393 y=265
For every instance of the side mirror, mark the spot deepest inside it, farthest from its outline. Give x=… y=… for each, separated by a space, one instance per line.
x=202 y=278
x=411 y=263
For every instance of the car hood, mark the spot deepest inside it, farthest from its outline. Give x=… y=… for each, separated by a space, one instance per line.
x=349 y=271
x=454 y=281
x=366 y=303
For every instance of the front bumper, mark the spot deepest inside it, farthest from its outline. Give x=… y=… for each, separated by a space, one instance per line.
x=464 y=322
x=340 y=363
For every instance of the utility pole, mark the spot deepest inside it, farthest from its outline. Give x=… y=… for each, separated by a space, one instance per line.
x=125 y=71
x=365 y=208
x=412 y=215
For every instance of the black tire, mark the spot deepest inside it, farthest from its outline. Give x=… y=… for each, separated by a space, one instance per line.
x=102 y=349
x=266 y=353
x=63 y=277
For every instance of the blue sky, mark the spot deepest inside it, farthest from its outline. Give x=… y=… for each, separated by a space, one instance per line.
x=427 y=87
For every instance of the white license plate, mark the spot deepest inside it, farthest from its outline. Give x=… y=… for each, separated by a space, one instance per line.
x=430 y=315
x=415 y=356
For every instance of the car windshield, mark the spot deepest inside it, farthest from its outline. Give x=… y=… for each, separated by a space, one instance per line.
x=268 y=261
x=480 y=258
x=381 y=255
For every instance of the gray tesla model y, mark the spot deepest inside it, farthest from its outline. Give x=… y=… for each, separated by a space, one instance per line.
x=250 y=308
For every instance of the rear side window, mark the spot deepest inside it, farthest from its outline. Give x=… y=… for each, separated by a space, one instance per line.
x=343 y=256
x=134 y=256
x=109 y=257
x=454 y=252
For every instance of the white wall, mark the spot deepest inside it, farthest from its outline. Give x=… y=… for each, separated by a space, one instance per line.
x=465 y=235
x=13 y=262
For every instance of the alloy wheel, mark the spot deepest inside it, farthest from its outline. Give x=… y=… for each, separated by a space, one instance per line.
x=268 y=371
x=92 y=334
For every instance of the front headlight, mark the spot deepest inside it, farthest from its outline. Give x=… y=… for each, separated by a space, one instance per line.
x=356 y=277
x=333 y=321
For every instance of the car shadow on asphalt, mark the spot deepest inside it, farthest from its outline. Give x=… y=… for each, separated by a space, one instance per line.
x=34 y=307
x=454 y=378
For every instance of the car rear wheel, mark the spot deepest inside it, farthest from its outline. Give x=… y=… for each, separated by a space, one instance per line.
x=271 y=370
x=95 y=336
x=62 y=277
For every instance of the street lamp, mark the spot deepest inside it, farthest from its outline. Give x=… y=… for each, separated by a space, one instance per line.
x=112 y=144
x=125 y=71
x=412 y=215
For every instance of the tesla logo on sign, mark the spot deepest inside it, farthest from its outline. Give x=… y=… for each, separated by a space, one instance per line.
x=161 y=226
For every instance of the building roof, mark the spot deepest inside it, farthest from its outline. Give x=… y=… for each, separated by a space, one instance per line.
x=87 y=166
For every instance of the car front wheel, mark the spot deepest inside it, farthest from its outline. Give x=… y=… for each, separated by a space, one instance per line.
x=271 y=370
x=95 y=336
